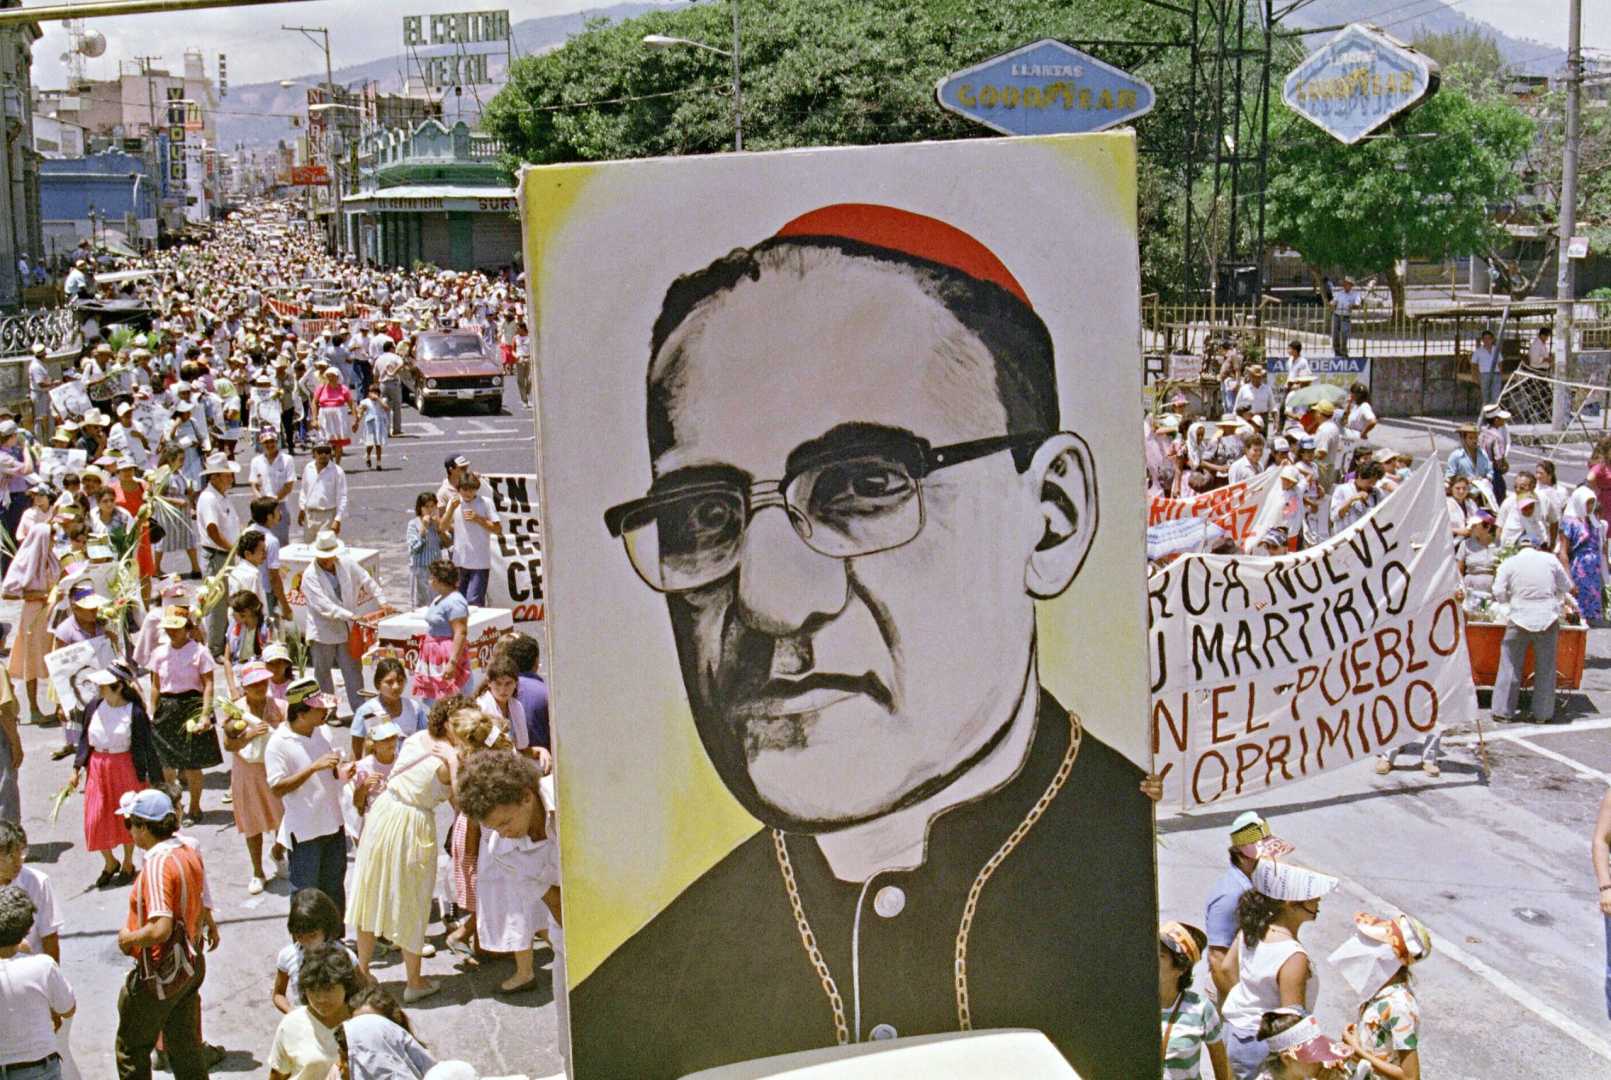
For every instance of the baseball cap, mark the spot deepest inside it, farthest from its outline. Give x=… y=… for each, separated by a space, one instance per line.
x=147 y=805
x=388 y=730
x=456 y=461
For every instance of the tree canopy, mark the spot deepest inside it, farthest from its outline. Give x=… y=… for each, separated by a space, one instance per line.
x=1427 y=188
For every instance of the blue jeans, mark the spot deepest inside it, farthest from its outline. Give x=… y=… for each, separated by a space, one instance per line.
x=1247 y=1053
x=321 y=863
x=1341 y=327
x=51 y=1069
x=473 y=584
x=1492 y=383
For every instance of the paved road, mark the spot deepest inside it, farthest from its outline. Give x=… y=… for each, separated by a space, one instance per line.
x=465 y=1020
x=1494 y=860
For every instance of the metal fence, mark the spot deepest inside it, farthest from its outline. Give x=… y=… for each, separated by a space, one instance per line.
x=56 y=328
x=1424 y=331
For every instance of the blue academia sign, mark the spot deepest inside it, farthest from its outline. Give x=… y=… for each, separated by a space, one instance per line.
x=1358 y=81
x=1045 y=88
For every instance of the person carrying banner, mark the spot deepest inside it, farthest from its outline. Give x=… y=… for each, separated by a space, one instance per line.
x=1537 y=589
x=1271 y=965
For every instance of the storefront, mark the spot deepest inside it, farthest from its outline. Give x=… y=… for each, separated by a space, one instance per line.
x=434 y=195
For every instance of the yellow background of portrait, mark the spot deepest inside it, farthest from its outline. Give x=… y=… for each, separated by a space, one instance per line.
x=642 y=813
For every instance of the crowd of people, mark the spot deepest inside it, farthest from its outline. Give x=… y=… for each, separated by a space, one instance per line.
x=1255 y=1020
x=428 y=801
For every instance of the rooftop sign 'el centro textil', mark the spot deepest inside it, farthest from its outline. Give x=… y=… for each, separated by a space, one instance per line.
x=1359 y=81
x=1045 y=88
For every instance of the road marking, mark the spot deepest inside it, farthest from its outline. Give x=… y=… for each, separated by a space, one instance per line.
x=1524 y=738
x=1497 y=979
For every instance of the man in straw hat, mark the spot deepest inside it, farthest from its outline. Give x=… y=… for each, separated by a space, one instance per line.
x=1343 y=303
x=335 y=587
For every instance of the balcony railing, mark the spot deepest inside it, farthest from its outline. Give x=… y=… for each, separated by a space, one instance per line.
x=56 y=328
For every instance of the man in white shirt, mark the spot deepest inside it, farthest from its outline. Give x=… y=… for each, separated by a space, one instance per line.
x=336 y=588
x=475 y=523
x=306 y=772
x=1343 y=303
x=77 y=281
x=272 y=475
x=220 y=527
x=127 y=439
x=1486 y=358
x=388 y=372
x=1255 y=394
x=1251 y=463
x=322 y=502
x=1353 y=500
x=34 y=995
x=40 y=385
x=1328 y=444
x=44 y=935
x=246 y=572
x=1541 y=352
x=1536 y=588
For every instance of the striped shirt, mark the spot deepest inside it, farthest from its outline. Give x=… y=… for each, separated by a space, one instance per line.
x=172 y=883
x=1196 y=1023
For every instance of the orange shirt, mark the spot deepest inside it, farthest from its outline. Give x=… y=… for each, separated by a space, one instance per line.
x=173 y=882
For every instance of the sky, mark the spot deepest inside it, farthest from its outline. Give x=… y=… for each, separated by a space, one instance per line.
x=364 y=30
x=258 y=50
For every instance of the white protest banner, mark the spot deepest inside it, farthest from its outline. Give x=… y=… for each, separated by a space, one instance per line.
x=1272 y=669
x=54 y=462
x=1185 y=367
x=151 y=418
x=1181 y=537
x=1232 y=507
x=517 y=555
x=70 y=400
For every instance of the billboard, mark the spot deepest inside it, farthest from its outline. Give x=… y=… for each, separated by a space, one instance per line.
x=1358 y=81
x=828 y=519
x=1045 y=88
x=309 y=175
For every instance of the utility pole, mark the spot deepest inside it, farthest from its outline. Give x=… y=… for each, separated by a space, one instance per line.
x=153 y=162
x=1567 y=223
x=330 y=89
x=738 y=100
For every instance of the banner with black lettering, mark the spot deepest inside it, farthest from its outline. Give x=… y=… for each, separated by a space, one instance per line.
x=1267 y=670
x=1232 y=507
x=517 y=556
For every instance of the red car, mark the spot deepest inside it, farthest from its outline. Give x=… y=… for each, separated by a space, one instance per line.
x=453 y=365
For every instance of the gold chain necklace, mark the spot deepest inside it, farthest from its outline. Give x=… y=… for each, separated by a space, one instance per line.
x=969 y=908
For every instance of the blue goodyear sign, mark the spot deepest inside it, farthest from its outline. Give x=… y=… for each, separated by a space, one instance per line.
x=1046 y=88
x=1358 y=81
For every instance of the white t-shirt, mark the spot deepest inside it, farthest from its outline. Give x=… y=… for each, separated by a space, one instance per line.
x=47 y=920
x=1360 y=417
x=268 y=477
x=111 y=728
x=314 y=809
x=304 y=1049
x=31 y=988
x=1345 y=300
x=213 y=508
x=472 y=544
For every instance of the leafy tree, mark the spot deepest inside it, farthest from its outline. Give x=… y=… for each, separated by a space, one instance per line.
x=1467 y=47
x=1427 y=189
x=835 y=72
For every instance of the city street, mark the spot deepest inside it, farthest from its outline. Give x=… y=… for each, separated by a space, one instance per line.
x=466 y=1020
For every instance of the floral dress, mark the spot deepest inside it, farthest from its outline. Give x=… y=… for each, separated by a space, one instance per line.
x=1389 y=1026
x=1583 y=544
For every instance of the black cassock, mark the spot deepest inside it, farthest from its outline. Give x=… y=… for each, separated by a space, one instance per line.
x=1064 y=938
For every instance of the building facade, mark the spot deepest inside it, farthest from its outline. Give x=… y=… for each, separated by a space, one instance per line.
x=19 y=163
x=107 y=199
x=434 y=194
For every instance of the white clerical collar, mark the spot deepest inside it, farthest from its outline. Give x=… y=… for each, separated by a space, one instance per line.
x=898 y=841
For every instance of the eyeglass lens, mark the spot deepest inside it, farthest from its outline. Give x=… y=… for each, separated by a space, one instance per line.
x=843 y=508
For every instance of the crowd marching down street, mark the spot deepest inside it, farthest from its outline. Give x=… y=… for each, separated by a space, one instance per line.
x=420 y=794
x=123 y=544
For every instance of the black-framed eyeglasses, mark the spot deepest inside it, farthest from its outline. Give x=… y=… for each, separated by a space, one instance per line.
x=852 y=500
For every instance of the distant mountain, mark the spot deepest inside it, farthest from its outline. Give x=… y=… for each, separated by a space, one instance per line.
x=256 y=113
x=1393 y=16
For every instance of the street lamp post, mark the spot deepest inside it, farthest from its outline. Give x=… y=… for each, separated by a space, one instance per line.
x=330 y=89
x=662 y=41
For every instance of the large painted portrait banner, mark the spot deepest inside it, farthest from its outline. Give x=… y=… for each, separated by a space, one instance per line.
x=844 y=557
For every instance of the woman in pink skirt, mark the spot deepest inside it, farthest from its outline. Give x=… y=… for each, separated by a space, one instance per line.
x=118 y=755
x=257 y=809
x=444 y=661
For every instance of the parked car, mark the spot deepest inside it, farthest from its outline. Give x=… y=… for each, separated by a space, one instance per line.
x=453 y=365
